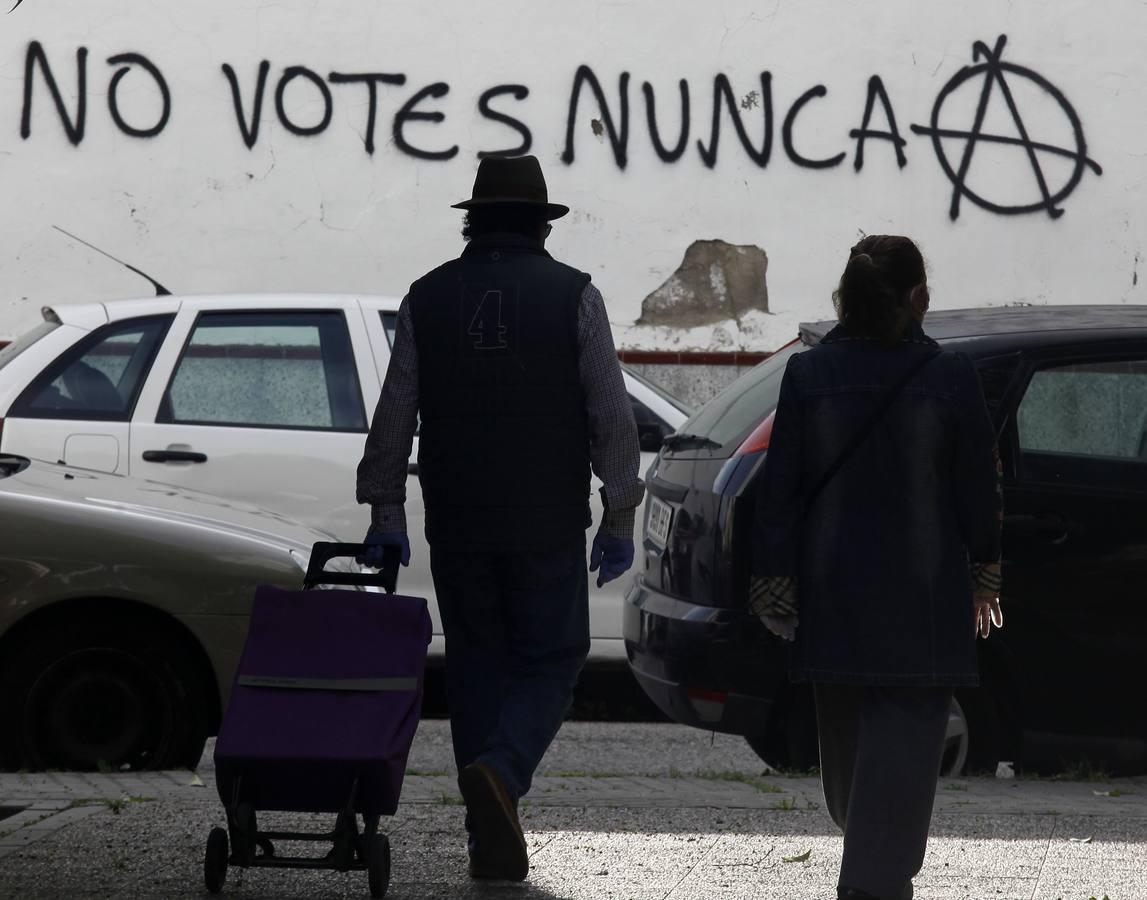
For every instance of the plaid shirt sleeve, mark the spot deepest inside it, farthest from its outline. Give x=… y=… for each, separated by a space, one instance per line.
x=382 y=471
x=614 y=451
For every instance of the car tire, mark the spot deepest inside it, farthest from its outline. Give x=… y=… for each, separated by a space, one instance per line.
x=88 y=693
x=789 y=743
x=972 y=744
x=982 y=724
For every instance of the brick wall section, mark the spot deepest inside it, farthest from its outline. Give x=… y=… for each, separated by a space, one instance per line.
x=738 y=358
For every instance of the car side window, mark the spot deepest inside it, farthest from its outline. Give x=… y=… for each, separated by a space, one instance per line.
x=267 y=370
x=1086 y=423
x=100 y=377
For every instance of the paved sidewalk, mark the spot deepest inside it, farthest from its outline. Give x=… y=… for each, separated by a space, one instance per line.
x=621 y=811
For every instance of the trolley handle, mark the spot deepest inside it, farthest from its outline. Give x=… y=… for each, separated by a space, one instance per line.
x=323 y=552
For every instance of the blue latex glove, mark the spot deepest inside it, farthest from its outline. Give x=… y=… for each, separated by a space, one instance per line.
x=375 y=541
x=613 y=555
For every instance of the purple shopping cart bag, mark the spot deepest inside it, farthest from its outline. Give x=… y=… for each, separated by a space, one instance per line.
x=326 y=700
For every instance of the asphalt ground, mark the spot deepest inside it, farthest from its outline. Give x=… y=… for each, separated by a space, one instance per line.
x=619 y=810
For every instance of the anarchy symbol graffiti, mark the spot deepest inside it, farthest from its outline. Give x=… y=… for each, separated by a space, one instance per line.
x=996 y=74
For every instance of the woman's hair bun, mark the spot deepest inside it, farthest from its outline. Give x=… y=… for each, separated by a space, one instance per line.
x=872 y=297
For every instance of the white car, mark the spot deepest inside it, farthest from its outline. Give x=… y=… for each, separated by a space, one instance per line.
x=261 y=398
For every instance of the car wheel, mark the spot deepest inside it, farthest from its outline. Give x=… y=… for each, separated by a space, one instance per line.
x=92 y=694
x=972 y=742
x=790 y=740
x=956 y=741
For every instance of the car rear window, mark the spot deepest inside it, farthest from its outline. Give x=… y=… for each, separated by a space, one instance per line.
x=24 y=341
x=98 y=378
x=738 y=409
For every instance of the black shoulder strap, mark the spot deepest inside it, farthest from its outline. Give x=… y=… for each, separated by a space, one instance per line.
x=864 y=431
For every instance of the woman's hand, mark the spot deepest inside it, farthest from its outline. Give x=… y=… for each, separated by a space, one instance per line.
x=988 y=612
x=784 y=627
x=774 y=601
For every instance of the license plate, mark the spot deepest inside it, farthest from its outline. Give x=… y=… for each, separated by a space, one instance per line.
x=659 y=522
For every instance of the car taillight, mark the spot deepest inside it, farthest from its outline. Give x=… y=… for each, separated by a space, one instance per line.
x=759 y=439
x=709 y=705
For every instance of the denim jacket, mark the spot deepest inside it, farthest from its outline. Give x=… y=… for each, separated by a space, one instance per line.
x=881 y=556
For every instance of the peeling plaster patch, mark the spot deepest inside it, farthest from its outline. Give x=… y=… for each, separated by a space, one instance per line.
x=751 y=100
x=756 y=331
x=716 y=281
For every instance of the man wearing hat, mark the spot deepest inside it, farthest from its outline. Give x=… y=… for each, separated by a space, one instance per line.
x=506 y=357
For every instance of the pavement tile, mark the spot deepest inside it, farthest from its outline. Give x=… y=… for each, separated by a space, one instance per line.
x=634 y=866
x=976 y=888
x=754 y=866
x=64 y=817
x=20 y=838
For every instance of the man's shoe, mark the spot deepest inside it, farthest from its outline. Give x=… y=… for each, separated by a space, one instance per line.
x=499 y=845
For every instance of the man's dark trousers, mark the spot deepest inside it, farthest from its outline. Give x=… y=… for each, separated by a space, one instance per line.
x=880 y=752
x=517 y=634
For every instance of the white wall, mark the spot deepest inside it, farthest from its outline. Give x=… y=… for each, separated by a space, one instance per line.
x=203 y=213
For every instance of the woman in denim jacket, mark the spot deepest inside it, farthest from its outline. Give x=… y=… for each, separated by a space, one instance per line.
x=884 y=578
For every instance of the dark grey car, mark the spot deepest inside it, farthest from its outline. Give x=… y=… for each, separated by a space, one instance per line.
x=1067 y=388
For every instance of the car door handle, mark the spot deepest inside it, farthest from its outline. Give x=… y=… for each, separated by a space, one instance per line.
x=163 y=456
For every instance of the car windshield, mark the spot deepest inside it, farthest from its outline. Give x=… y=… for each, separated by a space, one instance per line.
x=658 y=390
x=739 y=408
x=24 y=341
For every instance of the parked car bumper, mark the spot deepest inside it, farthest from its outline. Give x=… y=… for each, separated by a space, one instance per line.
x=689 y=659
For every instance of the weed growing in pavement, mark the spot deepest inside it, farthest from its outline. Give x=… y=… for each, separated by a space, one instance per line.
x=782 y=772
x=1082 y=770
x=741 y=778
x=115 y=804
x=788 y=804
x=450 y=800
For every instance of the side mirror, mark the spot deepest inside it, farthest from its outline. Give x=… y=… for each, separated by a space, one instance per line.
x=650 y=437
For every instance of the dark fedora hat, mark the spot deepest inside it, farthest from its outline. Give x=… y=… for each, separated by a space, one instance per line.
x=514 y=179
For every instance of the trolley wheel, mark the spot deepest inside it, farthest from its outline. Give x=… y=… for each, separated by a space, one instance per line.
x=215 y=860
x=378 y=864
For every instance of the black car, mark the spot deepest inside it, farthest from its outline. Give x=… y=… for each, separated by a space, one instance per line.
x=1063 y=682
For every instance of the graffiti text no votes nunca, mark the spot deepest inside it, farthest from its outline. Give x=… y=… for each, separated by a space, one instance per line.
x=611 y=115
